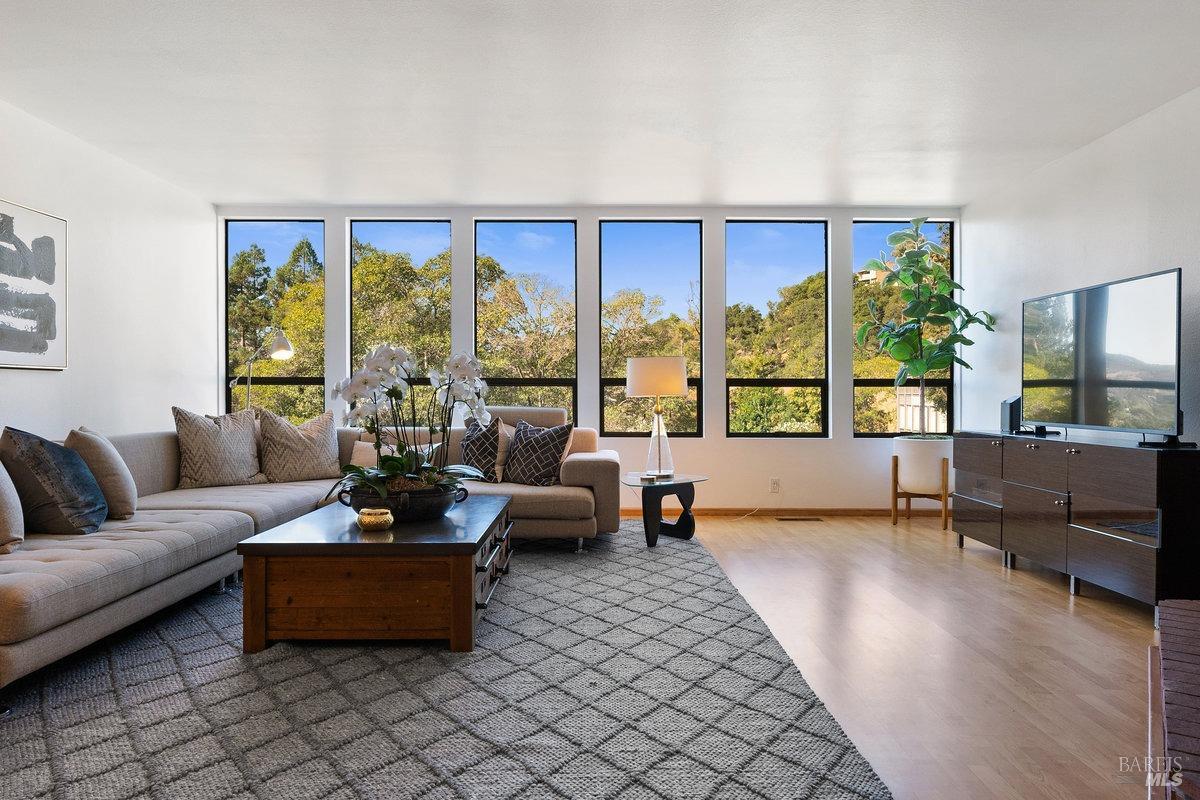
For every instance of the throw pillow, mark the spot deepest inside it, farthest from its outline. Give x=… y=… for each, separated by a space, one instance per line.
x=58 y=492
x=12 y=524
x=364 y=454
x=481 y=447
x=536 y=454
x=216 y=451
x=305 y=452
x=109 y=470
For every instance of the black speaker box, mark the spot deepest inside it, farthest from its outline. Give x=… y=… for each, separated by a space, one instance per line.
x=1010 y=414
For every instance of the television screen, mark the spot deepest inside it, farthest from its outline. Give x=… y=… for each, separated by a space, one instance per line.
x=1104 y=357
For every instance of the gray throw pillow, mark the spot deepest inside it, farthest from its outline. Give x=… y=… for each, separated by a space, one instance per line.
x=58 y=492
x=217 y=451
x=109 y=469
x=481 y=448
x=305 y=452
x=536 y=454
x=12 y=523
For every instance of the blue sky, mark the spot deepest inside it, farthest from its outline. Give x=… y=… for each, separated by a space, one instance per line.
x=275 y=238
x=421 y=240
x=660 y=258
x=760 y=257
x=546 y=248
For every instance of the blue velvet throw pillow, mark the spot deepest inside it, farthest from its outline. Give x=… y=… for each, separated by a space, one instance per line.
x=58 y=492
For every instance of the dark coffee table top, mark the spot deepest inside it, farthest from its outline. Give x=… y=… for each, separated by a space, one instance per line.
x=332 y=530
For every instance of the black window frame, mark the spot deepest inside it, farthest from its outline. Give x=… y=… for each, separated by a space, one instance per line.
x=698 y=383
x=267 y=380
x=930 y=383
x=572 y=383
x=350 y=276
x=781 y=383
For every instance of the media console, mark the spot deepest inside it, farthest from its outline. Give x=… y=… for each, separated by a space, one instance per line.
x=1105 y=512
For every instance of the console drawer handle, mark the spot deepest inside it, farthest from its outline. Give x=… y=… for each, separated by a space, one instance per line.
x=1074 y=451
x=1032 y=446
x=486 y=566
x=997 y=444
x=1060 y=502
x=482 y=606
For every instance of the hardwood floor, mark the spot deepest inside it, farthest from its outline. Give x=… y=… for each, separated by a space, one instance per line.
x=955 y=677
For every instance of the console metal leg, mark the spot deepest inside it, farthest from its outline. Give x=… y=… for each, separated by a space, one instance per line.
x=1156 y=617
x=1074 y=585
x=960 y=540
x=1010 y=560
x=579 y=545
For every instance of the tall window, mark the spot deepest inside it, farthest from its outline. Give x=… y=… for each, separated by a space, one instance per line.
x=275 y=280
x=400 y=291
x=525 y=311
x=880 y=407
x=775 y=328
x=649 y=306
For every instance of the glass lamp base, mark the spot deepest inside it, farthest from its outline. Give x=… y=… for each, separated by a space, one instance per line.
x=658 y=460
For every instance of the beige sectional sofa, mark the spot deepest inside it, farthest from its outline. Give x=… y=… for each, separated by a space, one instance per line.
x=61 y=593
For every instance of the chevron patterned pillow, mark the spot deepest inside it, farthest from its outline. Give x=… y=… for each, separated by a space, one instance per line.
x=217 y=451
x=536 y=454
x=481 y=448
x=304 y=452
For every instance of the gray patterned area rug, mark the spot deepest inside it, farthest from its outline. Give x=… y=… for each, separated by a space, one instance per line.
x=619 y=672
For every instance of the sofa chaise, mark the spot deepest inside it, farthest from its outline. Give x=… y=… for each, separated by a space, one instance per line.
x=59 y=594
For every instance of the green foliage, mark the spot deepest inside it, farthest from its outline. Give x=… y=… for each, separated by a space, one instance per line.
x=930 y=327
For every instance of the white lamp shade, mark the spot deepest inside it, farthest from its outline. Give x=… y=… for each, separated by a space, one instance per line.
x=280 y=348
x=661 y=376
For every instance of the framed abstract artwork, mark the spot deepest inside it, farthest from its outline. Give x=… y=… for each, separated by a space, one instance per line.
x=33 y=289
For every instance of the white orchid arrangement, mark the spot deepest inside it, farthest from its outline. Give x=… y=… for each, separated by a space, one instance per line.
x=382 y=403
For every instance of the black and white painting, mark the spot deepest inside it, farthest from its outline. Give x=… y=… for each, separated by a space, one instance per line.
x=33 y=289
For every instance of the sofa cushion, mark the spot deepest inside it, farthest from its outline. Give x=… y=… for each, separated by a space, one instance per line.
x=12 y=521
x=58 y=492
x=269 y=505
x=152 y=458
x=540 y=502
x=217 y=451
x=109 y=470
x=54 y=579
x=304 y=452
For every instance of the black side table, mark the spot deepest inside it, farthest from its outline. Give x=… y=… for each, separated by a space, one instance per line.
x=682 y=487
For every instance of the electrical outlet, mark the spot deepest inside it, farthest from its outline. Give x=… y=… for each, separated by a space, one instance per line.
x=774 y=489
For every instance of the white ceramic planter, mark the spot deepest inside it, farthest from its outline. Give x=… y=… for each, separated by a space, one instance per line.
x=920 y=467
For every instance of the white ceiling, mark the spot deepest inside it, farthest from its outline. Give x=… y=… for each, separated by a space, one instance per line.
x=662 y=101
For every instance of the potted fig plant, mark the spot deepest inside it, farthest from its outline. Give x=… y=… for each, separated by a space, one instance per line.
x=412 y=477
x=926 y=337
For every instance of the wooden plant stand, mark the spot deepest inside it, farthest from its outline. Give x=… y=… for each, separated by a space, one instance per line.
x=943 y=496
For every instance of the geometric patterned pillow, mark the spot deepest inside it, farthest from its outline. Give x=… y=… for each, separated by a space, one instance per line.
x=217 y=451
x=305 y=452
x=536 y=454
x=481 y=447
x=57 y=491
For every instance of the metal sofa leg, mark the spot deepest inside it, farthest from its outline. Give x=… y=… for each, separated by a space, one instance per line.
x=218 y=587
x=579 y=545
x=5 y=712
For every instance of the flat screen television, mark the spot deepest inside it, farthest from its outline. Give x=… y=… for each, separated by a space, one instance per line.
x=1104 y=357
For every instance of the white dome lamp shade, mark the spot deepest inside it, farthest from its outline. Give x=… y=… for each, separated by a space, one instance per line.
x=278 y=347
x=657 y=377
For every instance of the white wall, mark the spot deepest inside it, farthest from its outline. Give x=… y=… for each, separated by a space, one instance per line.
x=838 y=472
x=1126 y=204
x=142 y=294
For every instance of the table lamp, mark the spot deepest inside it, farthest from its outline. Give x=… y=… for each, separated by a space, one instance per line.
x=657 y=377
x=277 y=347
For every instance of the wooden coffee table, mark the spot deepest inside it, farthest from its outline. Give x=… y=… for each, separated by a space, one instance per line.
x=320 y=577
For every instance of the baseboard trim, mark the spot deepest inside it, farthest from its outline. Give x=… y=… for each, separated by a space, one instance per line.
x=793 y=512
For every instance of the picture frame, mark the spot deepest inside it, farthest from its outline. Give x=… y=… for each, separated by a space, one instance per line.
x=33 y=288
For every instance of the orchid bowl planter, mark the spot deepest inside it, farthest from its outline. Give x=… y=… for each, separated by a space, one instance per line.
x=919 y=462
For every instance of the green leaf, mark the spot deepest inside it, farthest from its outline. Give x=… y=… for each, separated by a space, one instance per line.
x=917 y=367
x=901 y=375
x=937 y=319
x=901 y=236
x=963 y=363
x=861 y=336
x=875 y=264
x=918 y=222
